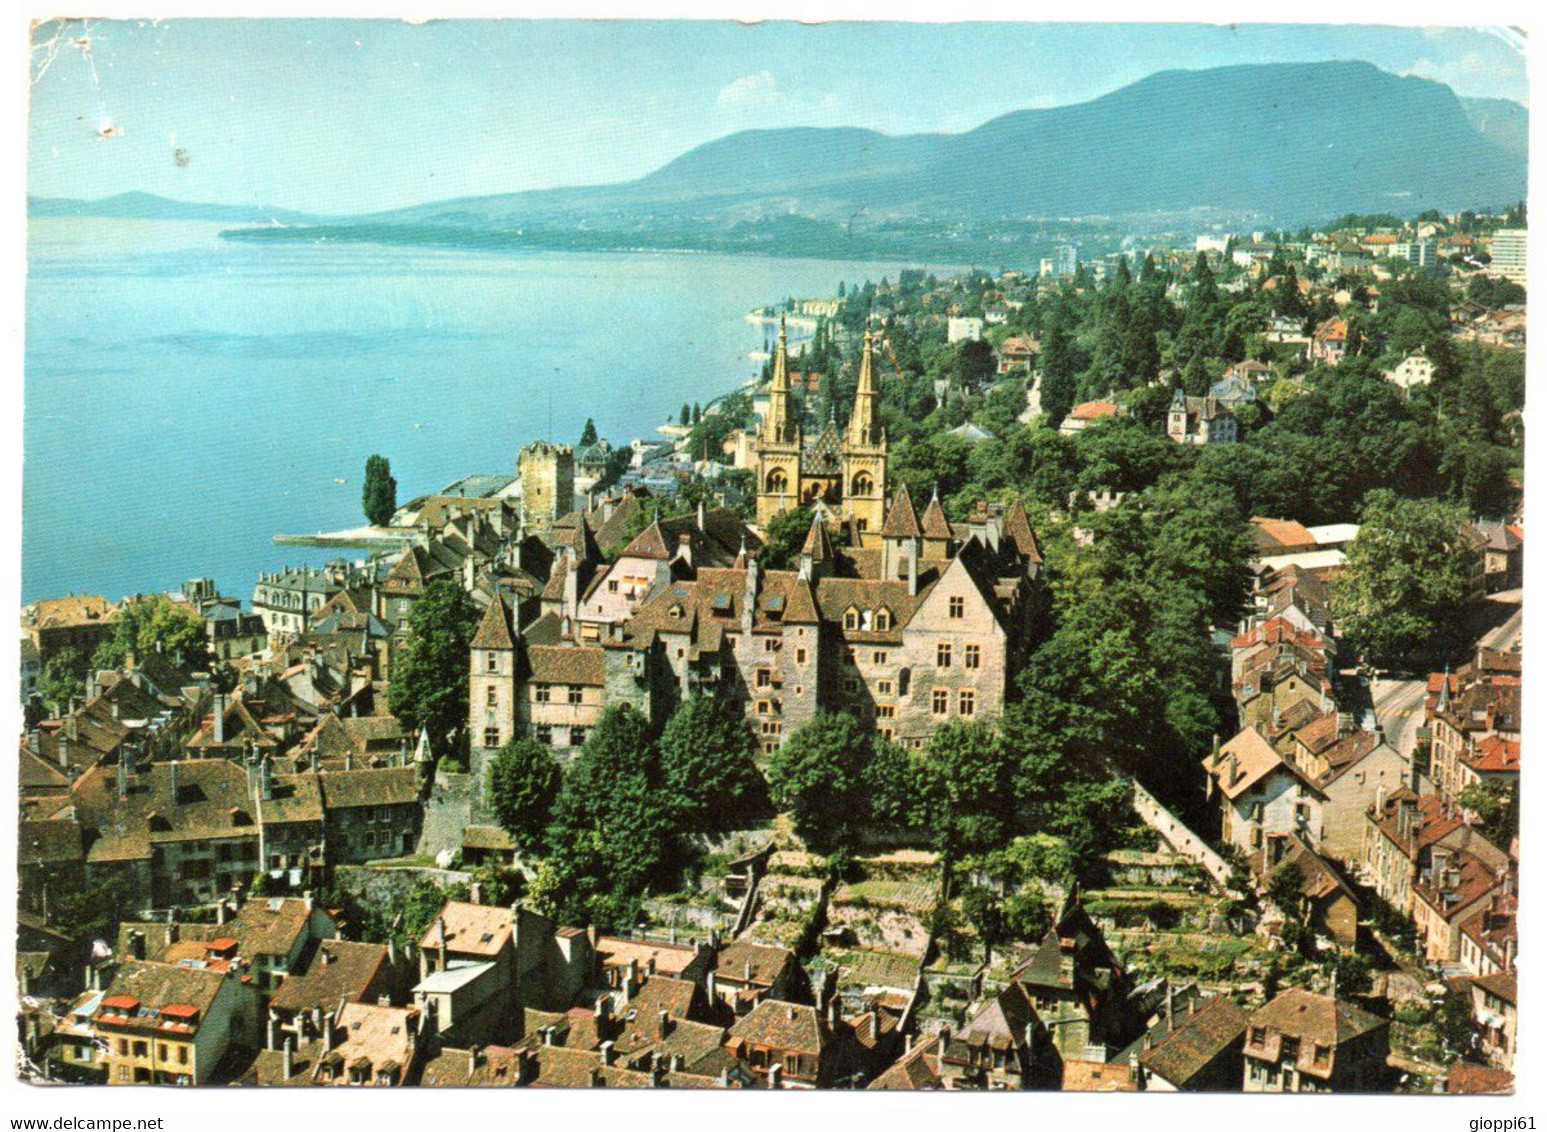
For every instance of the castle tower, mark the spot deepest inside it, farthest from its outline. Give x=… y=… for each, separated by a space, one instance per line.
x=864 y=454
x=547 y=474
x=778 y=445
x=491 y=694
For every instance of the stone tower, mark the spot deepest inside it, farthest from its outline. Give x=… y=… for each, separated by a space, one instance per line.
x=864 y=454
x=491 y=695
x=547 y=474
x=778 y=445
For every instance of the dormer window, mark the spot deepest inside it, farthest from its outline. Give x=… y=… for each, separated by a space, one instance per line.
x=851 y=618
x=883 y=620
x=675 y=612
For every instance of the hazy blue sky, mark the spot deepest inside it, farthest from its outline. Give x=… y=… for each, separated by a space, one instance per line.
x=350 y=116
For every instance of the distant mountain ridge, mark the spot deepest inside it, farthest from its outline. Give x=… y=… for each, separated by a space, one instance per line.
x=148 y=206
x=1291 y=143
x=1500 y=120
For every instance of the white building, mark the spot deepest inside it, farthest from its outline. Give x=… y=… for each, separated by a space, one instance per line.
x=964 y=330
x=1415 y=369
x=1509 y=254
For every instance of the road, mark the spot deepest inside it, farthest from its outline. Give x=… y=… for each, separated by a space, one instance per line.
x=1399 y=703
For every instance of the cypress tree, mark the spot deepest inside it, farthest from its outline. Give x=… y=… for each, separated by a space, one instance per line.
x=379 y=496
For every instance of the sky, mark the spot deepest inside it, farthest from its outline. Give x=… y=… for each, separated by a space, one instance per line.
x=352 y=116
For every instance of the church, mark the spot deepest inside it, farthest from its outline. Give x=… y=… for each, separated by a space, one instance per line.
x=847 y=476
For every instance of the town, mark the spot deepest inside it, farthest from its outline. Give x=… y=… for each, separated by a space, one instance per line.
x=1104 y=678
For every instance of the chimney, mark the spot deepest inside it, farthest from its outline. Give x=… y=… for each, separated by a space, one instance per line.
x=62 y=745
x=440 y=940
x=943 y=1041
x=603 y=1007
x=123 y=780
x=605 y=1049
x=218 y=729
x=288 y=1063
x=220 y=916
x=663 y=1018
x=472 y=1061
x=773 y=1076
x=913 y=574
x=710 y=988
x=547 y=1033
x=172 y=781
x=137 y=943
x=725 y=1078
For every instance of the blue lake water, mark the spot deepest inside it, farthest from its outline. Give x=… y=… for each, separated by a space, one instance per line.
x=187 y=398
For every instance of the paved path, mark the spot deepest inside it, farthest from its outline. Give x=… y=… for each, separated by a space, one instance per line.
x=1399 y=703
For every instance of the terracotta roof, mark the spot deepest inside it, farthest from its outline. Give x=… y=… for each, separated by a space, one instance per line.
x=334 y=969
x=69 y=611
x=766 y=963
x=49 y=843
x=1455 y=890
x=936 y=526
x=783 y=1026
x=566 y=664
x=1093 y=411
x=141 y=986
x=489 y=1067
x=1275 y=536
x=1253 y=760
x=494 y=629
x=919 y=1069
x=670 y=958
x=1493 y=754
x=1315 y=1019
x=270 y=925
x=1478 y=1080
x=901 y=520
x=1500 y=985
x=1097 y=1077
x=385 y=786
x=377 y=1038
x=212 y=803
x=471 y=929
x=1196 y=1040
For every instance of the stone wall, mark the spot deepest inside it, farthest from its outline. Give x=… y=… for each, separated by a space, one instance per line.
x=1178 y=836
x=447 y=813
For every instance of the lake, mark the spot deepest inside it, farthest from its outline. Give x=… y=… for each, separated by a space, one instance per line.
x=187 y=398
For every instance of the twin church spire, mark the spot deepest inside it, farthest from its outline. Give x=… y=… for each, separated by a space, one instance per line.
x=856 y=489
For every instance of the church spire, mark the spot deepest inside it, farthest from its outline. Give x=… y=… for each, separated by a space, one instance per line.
x=865 y=424
x=777 y=426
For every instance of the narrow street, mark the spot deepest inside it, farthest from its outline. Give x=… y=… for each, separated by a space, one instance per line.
x=1399 y=703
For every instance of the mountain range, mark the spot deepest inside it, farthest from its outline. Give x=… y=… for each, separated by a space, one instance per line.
x=1290 y=144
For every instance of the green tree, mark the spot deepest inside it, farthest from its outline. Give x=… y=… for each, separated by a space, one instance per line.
x=818 y=774
x=588 y=435
x=1060 y=366
x=984 y=911
x=969 y=772
x=686 y=416
x=379 y=495
x=155 y=624
x=616 y=827
x=707 y=756
x=1407 y=574
x=523 y=784
x=63 y=679
x=428 y=686
x=783 y=539
x=1496 y=808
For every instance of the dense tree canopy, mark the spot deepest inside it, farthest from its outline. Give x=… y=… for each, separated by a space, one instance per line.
x=428 y=687
x=1407 y=574
x=155 y=624
x=523 y=784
